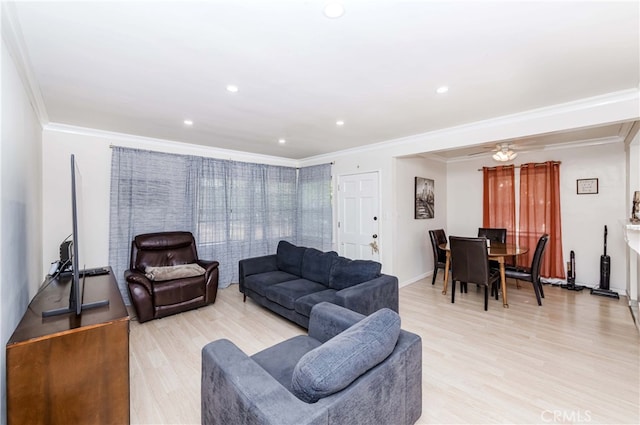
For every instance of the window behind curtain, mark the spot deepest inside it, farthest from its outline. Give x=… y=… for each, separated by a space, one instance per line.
x=235 y=210
x=540 y=213
x=243 y=211
x=150 y=192
x=211 y=202
x=315 y=215
x=539 y=210
x=499 y=201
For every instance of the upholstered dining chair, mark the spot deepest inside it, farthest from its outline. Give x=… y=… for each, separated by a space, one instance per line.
x=494 y=234
x=438 y=236
x=531 y=274
x=470 y=264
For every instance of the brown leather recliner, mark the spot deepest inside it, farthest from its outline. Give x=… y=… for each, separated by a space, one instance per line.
x=153 y=299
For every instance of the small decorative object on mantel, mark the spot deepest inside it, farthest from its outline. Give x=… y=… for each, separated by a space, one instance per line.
x=424 y=193
x=635 y=208
x=587 y=186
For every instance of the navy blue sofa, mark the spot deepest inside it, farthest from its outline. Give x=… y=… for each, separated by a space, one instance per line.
x=296 y=278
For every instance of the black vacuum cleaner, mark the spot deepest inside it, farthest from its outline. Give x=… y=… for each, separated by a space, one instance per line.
x=571 y=275
x=605 y=274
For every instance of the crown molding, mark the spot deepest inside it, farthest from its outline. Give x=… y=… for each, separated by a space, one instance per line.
x=13 y=39
x=614 y=98
x=164 y=145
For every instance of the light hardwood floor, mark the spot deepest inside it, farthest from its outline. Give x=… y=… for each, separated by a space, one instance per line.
x=573 y=360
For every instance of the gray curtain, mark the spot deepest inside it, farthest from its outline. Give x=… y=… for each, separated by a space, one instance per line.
x=235 y=210
x=314 y=211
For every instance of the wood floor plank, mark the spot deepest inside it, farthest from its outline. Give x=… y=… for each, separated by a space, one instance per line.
x=573 y=360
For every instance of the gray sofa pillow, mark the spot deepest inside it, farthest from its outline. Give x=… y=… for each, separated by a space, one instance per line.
x=346 y=272
x=341 y=360
x=316 y=265
x=289 y=257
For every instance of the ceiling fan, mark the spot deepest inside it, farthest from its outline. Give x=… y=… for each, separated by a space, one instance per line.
x=503 y=152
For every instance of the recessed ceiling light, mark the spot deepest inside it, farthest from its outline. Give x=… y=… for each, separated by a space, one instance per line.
x=232 y=88
x=339 y=123
x=282 y=141
x=442 y=89
x=188 y=122
x=334 y=10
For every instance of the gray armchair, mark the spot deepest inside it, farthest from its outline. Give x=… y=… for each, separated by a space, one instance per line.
x=270 y=386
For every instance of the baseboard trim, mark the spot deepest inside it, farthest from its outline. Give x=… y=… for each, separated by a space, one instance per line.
x=415 y=279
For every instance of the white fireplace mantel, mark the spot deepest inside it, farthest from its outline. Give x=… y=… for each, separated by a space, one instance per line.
x=632 y=235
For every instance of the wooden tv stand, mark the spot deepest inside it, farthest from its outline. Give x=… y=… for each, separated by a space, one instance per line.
x=70 y=369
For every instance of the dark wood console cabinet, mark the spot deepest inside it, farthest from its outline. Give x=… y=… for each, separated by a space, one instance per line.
x=70 y=369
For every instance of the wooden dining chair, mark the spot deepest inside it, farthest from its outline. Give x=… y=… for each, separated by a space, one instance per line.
x=470 y=264
x=531 y=274
x=438 y=236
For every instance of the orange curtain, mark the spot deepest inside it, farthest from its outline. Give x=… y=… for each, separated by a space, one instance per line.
x=499 y=199
x=540 y=213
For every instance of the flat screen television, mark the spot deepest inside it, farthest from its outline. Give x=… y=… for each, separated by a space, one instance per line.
x=77 y=274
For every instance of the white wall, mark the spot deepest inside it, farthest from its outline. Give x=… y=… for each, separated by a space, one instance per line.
x=414 y=260
x=93 y=157
x=583 y=216
x=21 y=271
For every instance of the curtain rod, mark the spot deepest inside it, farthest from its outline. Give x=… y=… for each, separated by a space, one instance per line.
x=537 y=164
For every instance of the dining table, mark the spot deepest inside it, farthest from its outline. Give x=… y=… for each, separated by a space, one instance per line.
x=495 y=251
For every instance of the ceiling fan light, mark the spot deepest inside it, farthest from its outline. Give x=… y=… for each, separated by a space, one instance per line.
x=504 y=155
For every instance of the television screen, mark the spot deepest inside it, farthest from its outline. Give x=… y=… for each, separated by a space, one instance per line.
x=77 y=228
x=75 y=297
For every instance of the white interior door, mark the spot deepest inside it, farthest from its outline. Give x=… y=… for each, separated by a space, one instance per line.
x=358 y=213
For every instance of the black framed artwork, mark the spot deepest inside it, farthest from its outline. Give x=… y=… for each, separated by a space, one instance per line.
x=587 y=186
x=424 y=198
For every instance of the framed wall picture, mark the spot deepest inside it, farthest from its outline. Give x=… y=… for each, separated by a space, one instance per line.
x=424 y=195
x=587 y=186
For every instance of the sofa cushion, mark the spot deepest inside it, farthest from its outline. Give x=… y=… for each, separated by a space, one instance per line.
x=173 y=272
x=341 y=360
x=346 y=272
x=287 y=293
x=304 y=304
x=289 y=257
x=316 y=265
x=280 y=359
x=259 y=282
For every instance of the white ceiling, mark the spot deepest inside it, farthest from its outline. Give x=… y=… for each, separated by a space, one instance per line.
x=141 y=68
